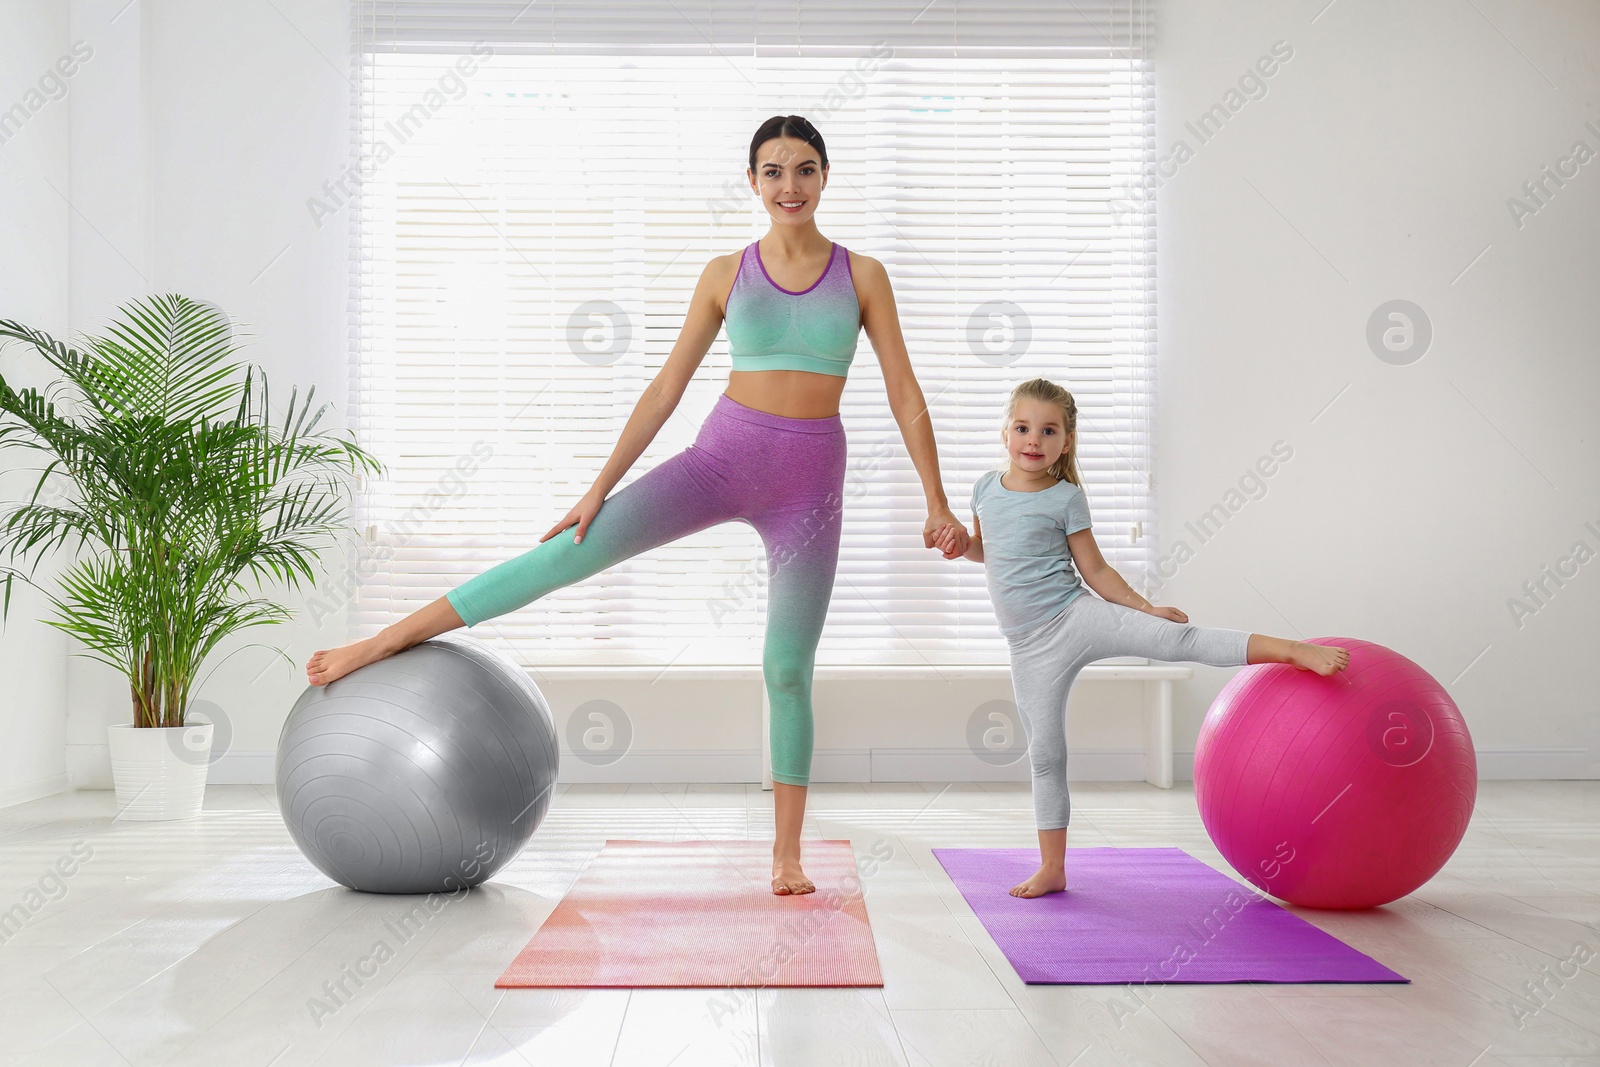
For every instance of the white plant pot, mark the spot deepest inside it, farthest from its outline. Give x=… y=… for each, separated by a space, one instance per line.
x=159 y=771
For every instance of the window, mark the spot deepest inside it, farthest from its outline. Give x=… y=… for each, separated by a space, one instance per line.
x=537 y=193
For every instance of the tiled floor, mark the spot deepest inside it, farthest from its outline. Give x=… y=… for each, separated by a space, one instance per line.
x=204 y=942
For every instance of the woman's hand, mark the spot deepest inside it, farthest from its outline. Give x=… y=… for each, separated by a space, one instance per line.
x=582 y=513
x=1167 y=613
x=958 y=538
x=945 y=539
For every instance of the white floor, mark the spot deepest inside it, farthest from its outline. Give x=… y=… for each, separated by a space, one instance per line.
x=203 y=942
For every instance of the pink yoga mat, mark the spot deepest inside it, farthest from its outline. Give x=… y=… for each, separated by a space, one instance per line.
x=702 y=913
x=1146 y=915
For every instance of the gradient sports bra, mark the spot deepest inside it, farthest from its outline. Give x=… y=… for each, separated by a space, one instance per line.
x=772 y=328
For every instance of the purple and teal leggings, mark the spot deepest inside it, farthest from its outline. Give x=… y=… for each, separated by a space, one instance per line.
x=783 y=476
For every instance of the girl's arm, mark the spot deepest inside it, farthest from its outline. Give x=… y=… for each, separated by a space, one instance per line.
x=1099 y=575
x=882 y=323
x=975 y=549
x=660 y=397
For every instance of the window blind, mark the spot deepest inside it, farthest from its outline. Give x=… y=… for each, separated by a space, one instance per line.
x=535 y=191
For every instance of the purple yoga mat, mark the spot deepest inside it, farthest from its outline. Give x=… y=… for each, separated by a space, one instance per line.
x=1146 y=915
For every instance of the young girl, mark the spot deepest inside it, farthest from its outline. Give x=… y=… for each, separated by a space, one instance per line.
x=1030 y=530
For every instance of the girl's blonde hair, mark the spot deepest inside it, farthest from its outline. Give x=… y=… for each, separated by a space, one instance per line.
x=1065 y=468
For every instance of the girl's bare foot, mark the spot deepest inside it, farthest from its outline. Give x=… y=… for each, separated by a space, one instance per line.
x=332 y=664
x=789 y=880
x=1324 y=659
x=1044 y=880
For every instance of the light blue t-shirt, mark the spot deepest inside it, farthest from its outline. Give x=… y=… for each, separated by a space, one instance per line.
x=1026 y=561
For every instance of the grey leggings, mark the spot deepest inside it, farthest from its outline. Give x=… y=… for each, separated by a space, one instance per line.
x=1046 y=661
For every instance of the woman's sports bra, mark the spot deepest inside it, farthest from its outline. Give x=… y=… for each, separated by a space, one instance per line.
x=772 y=328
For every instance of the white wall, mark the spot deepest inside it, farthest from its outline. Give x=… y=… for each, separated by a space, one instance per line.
x=111 y=264
x=1418 y=498
x=33 y=290
x=195 y=152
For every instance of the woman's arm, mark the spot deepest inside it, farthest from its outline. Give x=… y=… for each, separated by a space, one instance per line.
x=882 y=323
x=660 y=397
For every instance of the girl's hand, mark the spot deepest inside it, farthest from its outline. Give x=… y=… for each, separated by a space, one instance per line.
x=945 y=540
x=1167 y=613
x=582 y=513
x=941 y=519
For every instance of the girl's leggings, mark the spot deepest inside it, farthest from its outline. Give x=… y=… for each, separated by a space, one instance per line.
x=1046 y=661
x=783 y=476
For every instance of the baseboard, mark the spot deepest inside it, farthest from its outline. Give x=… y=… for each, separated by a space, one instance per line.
x=1498 y=764
x=881 y=765
x=244 y=768
x=37 y=789
x=960 y=765
x=680 y=765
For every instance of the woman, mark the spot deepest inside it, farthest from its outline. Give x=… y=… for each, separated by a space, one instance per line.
x=771 y=453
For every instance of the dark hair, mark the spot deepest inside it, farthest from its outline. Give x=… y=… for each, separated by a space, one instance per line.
x=787 y=126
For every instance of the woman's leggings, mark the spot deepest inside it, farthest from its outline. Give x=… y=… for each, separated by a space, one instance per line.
x=1046 y=661
x=783 y=476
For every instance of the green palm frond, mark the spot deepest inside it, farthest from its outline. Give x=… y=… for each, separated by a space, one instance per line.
x=180 y=484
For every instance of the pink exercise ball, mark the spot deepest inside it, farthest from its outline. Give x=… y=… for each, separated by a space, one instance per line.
x=1345 y=791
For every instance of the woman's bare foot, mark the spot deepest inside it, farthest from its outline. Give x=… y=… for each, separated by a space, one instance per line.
x=329 y=665
x=430 y=620
x=789 y=880
x=1044 y=880
x=1324 y=659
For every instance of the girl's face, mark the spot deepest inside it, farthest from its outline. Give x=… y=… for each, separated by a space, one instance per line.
x=790 y=178
x=1035 y=439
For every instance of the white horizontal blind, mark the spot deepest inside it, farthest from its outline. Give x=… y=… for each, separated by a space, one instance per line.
x=1047 y=29
x=527 y=236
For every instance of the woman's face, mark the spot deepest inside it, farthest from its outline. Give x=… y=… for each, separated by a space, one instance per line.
x=789 y=177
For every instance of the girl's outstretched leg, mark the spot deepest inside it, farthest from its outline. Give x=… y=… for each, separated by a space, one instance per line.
x=1324 y=659
x=1105 y=630
x=1118 y=630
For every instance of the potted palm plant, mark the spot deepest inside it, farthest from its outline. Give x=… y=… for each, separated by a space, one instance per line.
x=163 y=461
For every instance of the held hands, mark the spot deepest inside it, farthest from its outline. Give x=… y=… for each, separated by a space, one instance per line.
x=582 y=513
x=946 y=534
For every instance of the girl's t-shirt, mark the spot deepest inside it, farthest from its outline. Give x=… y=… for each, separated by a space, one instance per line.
x=1026 y=561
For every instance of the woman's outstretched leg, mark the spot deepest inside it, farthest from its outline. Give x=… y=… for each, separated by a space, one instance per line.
x=430 y=621
x=678 y=497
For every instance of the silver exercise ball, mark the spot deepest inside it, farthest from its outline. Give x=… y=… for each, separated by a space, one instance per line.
x=424 y=772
